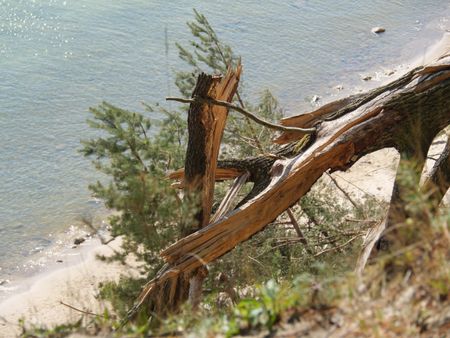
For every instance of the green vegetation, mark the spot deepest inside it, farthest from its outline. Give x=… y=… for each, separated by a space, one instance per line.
x=137 y=150
x=276 y=277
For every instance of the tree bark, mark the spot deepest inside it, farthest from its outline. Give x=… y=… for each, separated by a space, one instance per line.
x=206 y=124
x=405 y=114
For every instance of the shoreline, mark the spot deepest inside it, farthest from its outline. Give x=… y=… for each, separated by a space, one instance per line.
x=61 y=249
x=75 y=282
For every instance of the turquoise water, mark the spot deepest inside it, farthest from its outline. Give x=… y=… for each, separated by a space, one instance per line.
x=57 y=58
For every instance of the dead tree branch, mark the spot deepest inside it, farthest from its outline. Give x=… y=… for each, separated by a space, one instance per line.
x=244 y=112
x=405 y=114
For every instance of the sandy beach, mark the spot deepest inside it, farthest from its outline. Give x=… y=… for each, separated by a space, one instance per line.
x=77 y=284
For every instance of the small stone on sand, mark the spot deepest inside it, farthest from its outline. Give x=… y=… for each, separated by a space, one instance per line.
x=79 y=240
x=378 y=30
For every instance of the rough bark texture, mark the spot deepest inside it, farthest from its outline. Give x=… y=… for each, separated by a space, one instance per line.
x=405 y=114
x=258 y=167
x=206 y=124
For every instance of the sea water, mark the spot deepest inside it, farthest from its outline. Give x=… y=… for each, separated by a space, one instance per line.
x=59 y=57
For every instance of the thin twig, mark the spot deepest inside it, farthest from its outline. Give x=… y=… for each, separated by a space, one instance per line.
x=337 y=247
x=243 y=112
x=282 y=223
x=366 y=221
x=255 y=260
x=354 y=185
x=252 y=130
x=79 y=310
x=346 y=194
x=296 y=226
x=280 y=245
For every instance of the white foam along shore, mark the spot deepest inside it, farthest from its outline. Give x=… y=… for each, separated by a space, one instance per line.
x=77 y=285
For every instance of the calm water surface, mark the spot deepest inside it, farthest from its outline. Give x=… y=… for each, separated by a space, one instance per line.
x=58 y=57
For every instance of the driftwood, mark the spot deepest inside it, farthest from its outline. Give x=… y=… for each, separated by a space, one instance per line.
x=405 y=114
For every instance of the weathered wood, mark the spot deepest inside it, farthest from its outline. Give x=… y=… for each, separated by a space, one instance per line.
x=308 y=120
x=337 y=108
x=259 y=167
x=226 y=204
x=352 y=135
x=339 y=144
x=438 y=182
x=222 y=174
x=206 y=124
x=365 y=123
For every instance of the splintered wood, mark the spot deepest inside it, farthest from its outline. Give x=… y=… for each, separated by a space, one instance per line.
x=346 y=130
x=206 y=124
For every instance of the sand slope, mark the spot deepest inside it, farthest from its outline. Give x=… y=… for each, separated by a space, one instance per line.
x=76 y=285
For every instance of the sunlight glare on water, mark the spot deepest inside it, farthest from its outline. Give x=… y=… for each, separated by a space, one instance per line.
x=58 y=57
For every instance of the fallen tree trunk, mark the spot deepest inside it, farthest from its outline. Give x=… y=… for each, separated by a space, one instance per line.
x=405 y=114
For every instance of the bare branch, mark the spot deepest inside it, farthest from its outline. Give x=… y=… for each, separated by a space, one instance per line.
x=296 y=226
x=337 y=247
x=244 y=112
x=79 y=310
x=346 y=194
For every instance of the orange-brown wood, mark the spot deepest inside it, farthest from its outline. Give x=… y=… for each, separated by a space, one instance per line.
x=212 y=119
x=307 y=120
x=339 y=143
x=221 y=174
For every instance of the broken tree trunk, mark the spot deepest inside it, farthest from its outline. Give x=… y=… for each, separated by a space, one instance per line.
x=404 y=114
x=206 y=124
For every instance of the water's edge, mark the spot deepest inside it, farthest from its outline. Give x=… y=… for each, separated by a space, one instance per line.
x=42 y=104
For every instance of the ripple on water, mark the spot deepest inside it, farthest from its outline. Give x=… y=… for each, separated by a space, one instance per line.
x=60 y=57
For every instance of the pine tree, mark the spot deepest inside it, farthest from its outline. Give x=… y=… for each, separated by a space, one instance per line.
x=135 y=152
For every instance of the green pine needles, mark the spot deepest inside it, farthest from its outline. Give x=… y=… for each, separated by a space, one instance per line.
x=135 y=152
x=149 y=211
